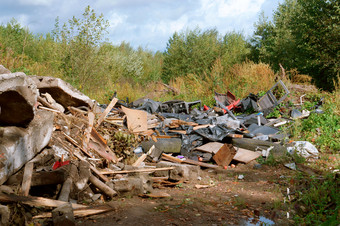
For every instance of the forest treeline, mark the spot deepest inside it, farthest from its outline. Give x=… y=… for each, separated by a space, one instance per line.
x=303 y=37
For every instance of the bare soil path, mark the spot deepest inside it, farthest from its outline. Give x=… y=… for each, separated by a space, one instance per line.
x=228 y=201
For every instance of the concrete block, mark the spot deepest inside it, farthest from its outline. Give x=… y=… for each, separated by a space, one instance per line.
x=62 y=92
x=20 y=145
x=182 y=171
x=4 y=70
x=133 y=185
x=18 y=96
x=63 y=215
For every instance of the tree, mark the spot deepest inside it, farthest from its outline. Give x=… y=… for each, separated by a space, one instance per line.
x=304 y=35
x=79 y=41
x=191 y=52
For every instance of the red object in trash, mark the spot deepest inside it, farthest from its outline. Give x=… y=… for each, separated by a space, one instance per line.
x=58 y=164
x=205 y=108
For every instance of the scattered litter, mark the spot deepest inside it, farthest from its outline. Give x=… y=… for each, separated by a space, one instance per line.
x=291 y=166
x=101 y=151
x=303 y=148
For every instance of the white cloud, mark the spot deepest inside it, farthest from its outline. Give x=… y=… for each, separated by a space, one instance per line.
x=116 y=19
x=142 y=22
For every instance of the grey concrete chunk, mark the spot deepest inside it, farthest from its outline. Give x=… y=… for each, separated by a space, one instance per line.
x=18 y=96
x=19 y=145
x=62 y=92
x=4 y=70
x=182 y=171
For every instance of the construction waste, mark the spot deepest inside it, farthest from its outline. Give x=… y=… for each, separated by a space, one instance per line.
x=59 y=149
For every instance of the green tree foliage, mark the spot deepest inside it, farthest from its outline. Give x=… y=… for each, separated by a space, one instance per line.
x=190 y=52
x=196 y=51
x=304 y=34
x=316 y=29
x=79 y=41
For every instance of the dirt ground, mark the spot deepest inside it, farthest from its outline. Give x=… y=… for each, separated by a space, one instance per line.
x=257 y=199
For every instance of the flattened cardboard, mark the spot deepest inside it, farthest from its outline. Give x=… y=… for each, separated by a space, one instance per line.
x=245 y=156
x=211 y=147
x=136 y=120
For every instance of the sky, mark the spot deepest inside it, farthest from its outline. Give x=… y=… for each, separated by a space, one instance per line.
x=145 y=23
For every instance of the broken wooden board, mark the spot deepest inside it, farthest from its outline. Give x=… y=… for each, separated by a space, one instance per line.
x=36 y=201
x=83 y=212
x=245 y=156
x=197 y=163
x=99 y=144
x=136 y=120
x=224 y=156
x=106 y=111
x=171 y=158
x=212 y=147
x=135 y=171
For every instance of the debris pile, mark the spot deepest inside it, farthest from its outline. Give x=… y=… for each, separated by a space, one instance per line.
x=59 y=148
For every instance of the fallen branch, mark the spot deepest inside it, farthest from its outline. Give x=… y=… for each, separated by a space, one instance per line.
x=103 y=187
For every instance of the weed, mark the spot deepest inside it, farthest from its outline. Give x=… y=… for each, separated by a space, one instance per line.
x=239 y=202
x=320 y=198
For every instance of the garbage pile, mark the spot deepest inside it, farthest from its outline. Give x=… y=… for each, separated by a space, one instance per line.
x=59 y=148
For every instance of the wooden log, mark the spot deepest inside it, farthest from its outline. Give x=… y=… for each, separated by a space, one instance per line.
x=36 y=201
x=106 y=111
x=136 y=171
x=27 y=178
x=67 y=186
x=103 y=187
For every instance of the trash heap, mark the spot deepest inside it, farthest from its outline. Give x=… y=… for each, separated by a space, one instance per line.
x=59 y=149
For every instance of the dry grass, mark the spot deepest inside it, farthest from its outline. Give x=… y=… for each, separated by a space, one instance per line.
x=241 y=79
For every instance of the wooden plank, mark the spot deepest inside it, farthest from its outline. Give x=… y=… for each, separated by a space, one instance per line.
x=75 y=143
x=136 y=120
x=201 y=126
x=106 y=111
x=171 y=158
x=88 y=130
x=36 y=201
x=211 y=147
x=178 y=131
x=84 y=212
x=104 y=178
x=245 y=156
x=224 y=156
x=140 y=160
x=143 y=157
x=27 y=178
x=197 y=163
x=103 y=148
x=136 y=171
